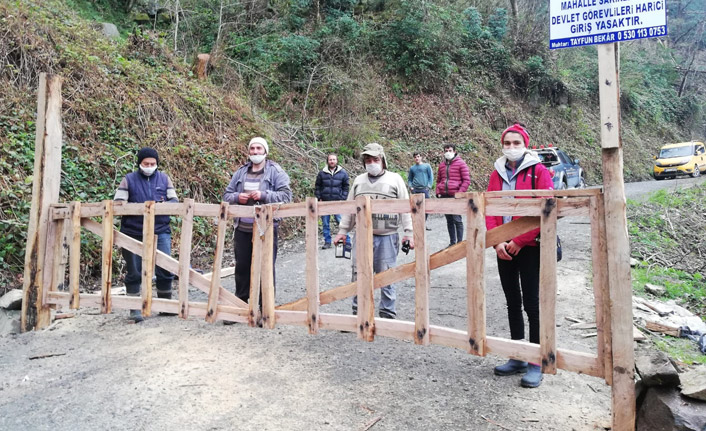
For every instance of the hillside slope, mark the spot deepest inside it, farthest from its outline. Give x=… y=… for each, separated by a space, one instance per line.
x=312 y=82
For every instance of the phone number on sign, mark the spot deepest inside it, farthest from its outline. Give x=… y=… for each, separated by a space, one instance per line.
x=642 y=33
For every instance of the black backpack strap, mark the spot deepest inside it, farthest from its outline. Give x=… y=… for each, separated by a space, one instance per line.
x=533 y=184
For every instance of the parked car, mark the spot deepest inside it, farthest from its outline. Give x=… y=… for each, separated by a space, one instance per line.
x=566 y=172
x=685 y=158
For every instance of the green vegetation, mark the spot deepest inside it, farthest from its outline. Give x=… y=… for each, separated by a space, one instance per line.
x=316 y=76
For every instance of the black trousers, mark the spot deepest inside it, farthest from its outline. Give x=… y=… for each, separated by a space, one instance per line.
x=520 y=280
x=242 y=243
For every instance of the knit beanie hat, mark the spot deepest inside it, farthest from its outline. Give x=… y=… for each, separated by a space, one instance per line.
x=145 y=153
x=517 y=128
x=261 y=141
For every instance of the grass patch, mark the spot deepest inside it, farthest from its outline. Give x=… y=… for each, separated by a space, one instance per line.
x=681 y=349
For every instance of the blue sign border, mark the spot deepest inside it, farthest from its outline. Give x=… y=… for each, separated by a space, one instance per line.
x=609 y=37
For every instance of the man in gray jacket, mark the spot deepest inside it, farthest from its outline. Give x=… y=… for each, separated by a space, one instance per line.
x=259 y=181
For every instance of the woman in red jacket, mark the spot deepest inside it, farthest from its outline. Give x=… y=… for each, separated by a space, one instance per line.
x=451 y=178
x=518 y=259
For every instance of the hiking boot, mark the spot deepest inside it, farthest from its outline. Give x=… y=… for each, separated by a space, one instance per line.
x=428 y=228
x=326 y=246
x=513 y=366
x=355 y=311
x=136 y=316
x=386 y=314
x=533 y=378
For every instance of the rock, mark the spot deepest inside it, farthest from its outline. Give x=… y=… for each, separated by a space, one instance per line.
x=12 y=300
x=665 y=409
x=110 y=30
x=694 y=384
x=654 y=289
x=634 y=262
x=656 y=369
x=9 y=322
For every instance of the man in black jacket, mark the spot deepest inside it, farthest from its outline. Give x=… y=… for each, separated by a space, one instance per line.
x=331 y=185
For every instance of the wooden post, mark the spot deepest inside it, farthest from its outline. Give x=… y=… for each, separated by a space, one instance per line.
x=187 y=229
x=547 y=286
x=212 y=309
x=267 y=281
x=421 y=270
x=254 y=316
x=623 y=392
x=45 y=191
x=58 y=272
x=475 y=273
x=600 y=285
x=312 y=265
x=107 y=259
x=149 y=245
x=75 y=253
x=364 y=264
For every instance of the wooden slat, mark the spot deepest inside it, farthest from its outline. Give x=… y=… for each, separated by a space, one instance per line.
x=267 y=282
x=45 y=191
x=258 y=237
x=107 y=256
x=436 y=260
x=149 y=244
x=225 y=272
x=364 y=263
x=336 y=207
x=421 y=271
x=312 y=265
x=166 y=262
x=187 y=230
x=292 y=317
x=75 y=254
x=599 y=255
x=475 y=273
x=214 y=292
x=298 y=209
x=50 y=262
x=338 y=322
x=547 y=286
x=389 y=206
x=58 y=266
x=446 y=206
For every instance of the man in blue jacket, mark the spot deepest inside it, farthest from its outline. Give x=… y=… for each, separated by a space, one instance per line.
x=259 y=181
x=420 y=178
x=146 y=184
x=331 y=185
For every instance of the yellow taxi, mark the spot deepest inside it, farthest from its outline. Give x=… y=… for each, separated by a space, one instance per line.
x=685 y=158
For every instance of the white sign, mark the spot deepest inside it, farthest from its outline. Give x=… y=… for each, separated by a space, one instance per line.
x=589 y=22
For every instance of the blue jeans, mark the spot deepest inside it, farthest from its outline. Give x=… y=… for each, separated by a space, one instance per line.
x=326 y=225
x=133 y=263
x=385 y=250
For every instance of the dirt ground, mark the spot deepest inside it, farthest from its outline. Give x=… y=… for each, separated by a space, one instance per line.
x=107 y=373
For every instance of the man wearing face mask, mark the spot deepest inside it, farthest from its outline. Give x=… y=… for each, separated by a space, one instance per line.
x=260 y=181
x=146 y=184
x=379 y=183
x=451 y=178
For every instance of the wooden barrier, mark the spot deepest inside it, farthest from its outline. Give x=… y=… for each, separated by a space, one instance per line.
x=223 y=305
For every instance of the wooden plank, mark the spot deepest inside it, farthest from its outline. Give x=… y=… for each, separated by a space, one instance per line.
x=75 y=254
x=446 y=206
x=437 y=260
x=258 y=237
x=267 y=282
x=107 y=256
x=390 y=206
x=149 y=244
x=364 y=263
x=58 y=273
x=50 y=262
x=312 y=265
x=336 y=207
x=397 y=329
x=166 y=262
x=187 y=230
x=298 y=209
x=45 y=191
x=338 y=322
x=623 y=394
x=421 y=270
x=513 y=207
x=547 y=286
x=599 y=259
x=225 y=272
x=214 y=291
x=475 y=273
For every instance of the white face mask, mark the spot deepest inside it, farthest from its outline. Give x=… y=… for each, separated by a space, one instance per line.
x=257 y=158
x=514 y=154
x=449 y=155
x=374 y=169
x=148 y=171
